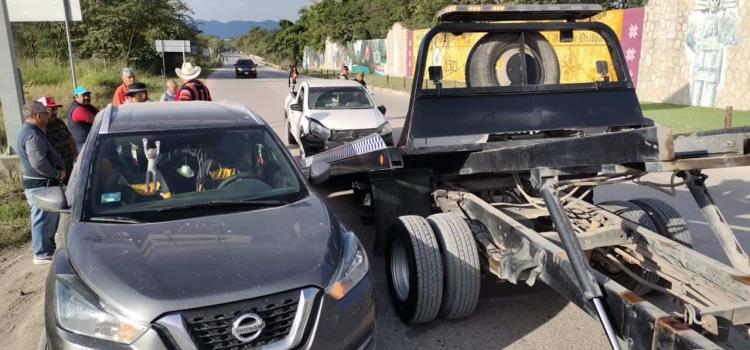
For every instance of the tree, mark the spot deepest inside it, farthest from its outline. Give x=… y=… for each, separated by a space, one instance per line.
x=111 y=29
x=344 y=21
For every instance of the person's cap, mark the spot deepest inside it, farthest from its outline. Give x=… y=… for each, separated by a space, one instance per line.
x=80 y=91
x=135 y=88
x=32 y=108
x=49 y=102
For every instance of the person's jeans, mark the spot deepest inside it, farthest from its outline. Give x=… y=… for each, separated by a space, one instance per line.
x=43 y=228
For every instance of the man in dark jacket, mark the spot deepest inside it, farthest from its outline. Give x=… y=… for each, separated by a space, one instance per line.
x=59 y=135
x=192 y=88
x=42 y=167
x=81 y=115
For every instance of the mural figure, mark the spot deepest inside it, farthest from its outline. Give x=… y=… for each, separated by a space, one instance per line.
x=712 y=27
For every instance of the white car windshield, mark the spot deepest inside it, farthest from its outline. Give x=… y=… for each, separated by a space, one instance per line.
x=349 y=97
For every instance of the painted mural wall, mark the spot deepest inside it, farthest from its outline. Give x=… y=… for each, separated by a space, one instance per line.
x=396 y=55
x=695 y=52
x=691 y=52
x=366 y=56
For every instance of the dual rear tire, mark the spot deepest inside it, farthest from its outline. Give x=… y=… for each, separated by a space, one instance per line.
x=432 y=266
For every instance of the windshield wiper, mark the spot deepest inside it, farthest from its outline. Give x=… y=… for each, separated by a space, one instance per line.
x=234 y=203
x=115 y=219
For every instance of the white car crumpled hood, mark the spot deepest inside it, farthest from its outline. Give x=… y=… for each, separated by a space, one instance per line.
x=349 y=119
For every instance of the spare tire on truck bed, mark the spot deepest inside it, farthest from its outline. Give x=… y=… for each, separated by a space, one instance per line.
x=542 y=64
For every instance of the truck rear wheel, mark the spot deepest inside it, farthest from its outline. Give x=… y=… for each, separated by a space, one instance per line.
x=634 y=213
x=669 y=223
x=460 y=263
x=496 y=61
x=414 y=270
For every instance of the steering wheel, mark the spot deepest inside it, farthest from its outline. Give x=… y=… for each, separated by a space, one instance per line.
x=236 y=177
x=226 y=182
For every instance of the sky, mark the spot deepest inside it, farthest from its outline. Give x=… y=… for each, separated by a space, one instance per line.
x=246 y=10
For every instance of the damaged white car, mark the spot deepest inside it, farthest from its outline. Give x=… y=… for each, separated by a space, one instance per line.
x=323 y=114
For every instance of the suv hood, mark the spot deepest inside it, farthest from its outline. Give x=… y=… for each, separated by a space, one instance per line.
x=145 y=270
x=349 y=119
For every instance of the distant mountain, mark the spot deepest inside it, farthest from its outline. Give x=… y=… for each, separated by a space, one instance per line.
x=233 y=29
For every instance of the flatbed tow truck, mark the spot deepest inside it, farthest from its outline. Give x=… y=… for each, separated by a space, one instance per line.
x=496 y=176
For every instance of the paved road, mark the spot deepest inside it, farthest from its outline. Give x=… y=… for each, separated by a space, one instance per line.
x=508 y=317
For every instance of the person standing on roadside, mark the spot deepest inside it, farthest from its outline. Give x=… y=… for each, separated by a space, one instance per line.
x=137 y=92
x=121 y=94
x=192 y=89
x=42 y=167
x=360 y=78
x=59 y=135
x=170 y=94
x=344 y=75
x=293 y=74
x=81 y=115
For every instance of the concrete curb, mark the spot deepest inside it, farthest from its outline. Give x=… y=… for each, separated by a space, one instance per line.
x=388 y=91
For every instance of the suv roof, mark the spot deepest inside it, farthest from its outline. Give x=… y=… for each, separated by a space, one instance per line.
x=161 y=116
x=332 y=83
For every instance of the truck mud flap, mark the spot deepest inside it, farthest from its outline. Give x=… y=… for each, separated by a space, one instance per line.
x=359 y=156
x=399 y=192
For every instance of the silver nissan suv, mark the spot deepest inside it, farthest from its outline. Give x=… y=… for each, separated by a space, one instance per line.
x=188 y=226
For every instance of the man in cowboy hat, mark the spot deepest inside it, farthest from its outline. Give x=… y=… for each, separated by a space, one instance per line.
x=137 y=92
x=192 y=89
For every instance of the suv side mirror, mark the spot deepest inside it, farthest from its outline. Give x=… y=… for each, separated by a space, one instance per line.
x=296 y=107
x=435 y=73
x=320 y=172
x=50 y=199
x=381 y=108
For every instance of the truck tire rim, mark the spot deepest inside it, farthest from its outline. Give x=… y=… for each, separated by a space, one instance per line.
x=400 y=270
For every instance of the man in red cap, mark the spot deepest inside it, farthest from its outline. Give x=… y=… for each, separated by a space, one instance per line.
x=59 y=135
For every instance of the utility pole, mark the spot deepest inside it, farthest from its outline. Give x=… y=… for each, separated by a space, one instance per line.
x=11 y=88
x=68 y=19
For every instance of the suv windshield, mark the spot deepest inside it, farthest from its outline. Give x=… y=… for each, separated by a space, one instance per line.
x=147 y=175
x=247 y=63
x=339 y=98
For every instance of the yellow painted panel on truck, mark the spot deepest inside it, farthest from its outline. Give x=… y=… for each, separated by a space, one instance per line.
x=577 y=58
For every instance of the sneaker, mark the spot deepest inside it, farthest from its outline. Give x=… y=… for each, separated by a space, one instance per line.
x=42 y=260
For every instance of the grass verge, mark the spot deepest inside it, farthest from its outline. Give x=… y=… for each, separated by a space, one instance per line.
x=683 y=119
x=14 y=214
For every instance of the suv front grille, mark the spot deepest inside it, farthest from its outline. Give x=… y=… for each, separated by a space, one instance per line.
x=351 y=135
x=211 y=327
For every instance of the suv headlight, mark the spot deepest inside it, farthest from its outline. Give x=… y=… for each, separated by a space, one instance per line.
x=79 y=311
x=385 y=129
x=319 y=130
x=354 y=267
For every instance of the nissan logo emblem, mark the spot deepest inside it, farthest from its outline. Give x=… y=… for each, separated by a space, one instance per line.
x=248 y=327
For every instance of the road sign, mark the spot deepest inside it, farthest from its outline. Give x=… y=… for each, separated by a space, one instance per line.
x=173 y=46
x=42 y=10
